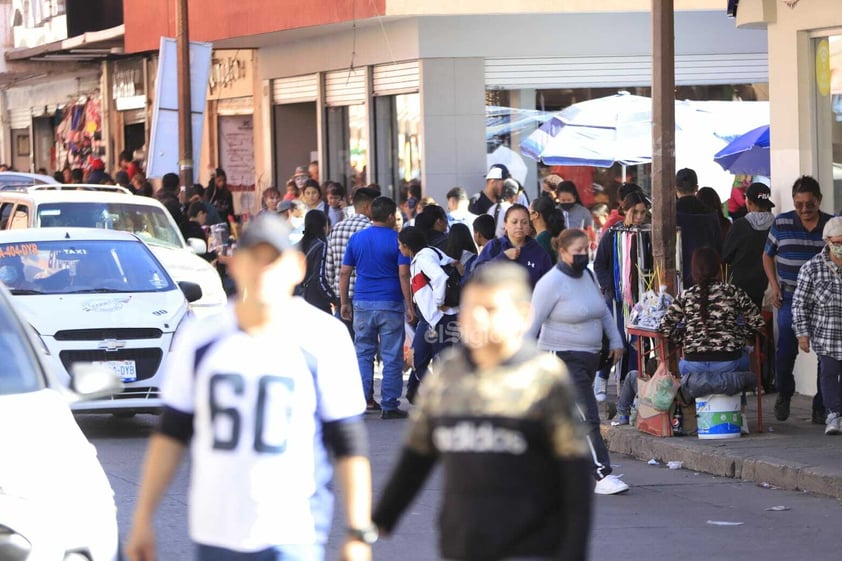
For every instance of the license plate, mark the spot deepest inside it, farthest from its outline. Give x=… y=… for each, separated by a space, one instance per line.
x=125 y=369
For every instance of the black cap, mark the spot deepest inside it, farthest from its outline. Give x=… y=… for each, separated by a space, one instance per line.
x=760 y=194
x=266 y=228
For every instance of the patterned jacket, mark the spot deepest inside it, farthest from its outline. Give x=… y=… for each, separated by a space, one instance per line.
x=817 y=305
x=732 y=318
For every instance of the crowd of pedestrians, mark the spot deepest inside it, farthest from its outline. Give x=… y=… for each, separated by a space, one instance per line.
x=506 y=317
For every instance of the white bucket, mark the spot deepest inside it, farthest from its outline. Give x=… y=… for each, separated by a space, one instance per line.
x=718 y=416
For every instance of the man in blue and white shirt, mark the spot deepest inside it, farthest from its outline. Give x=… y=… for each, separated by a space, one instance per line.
x=795 y=237
x=259 y=427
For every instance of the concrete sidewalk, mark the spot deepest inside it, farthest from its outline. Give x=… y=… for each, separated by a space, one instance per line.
x=793 y=455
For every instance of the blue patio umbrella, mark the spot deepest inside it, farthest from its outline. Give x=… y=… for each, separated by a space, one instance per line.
x=747 y=154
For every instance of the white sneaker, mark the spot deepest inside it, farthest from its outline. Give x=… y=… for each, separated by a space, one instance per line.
x=600 y=389
x=833 y=424
x=610 y=485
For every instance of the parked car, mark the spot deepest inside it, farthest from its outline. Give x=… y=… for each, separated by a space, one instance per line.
x=55 y=500
x=97 y=296
x=11 y=180
x=115 y=208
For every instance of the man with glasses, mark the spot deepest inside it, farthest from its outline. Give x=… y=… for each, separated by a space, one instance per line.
x=795 y=238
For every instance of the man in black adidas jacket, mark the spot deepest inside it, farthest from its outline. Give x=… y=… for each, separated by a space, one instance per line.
x=499 y=414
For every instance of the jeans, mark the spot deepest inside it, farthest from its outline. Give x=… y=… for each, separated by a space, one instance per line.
x=430 y=342
x=629 y=360
x=582 y=369
x=627 y=394
x=297 y=552
x=786 y=353
x=714 y=366
x=829 y=373
x=380 y=322
x=349 y=324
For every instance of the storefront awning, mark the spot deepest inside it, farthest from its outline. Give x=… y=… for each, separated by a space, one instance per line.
x=90 y=46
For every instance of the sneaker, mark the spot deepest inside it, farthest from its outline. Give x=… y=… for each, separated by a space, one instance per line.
x=610 y=485
x=833 y=424
x=372 y=406
x=819 y=417
x=600 y=389
x=782 y=407
x=393 y=414
x=620 y=421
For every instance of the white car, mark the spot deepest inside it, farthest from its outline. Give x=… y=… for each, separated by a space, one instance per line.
x=10 y=180
x=115 y=208
x=56 y=503
x=97 y=296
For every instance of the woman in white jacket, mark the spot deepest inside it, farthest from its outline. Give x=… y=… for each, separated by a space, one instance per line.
x=436 y=329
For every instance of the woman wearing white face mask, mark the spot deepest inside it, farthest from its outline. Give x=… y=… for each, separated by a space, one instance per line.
x=570 y=319
x=817 y=319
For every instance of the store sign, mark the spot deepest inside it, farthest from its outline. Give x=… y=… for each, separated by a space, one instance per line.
x=231 y=75
x=127 y=85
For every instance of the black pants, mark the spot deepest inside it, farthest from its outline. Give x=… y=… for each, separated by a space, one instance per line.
x=582 y=369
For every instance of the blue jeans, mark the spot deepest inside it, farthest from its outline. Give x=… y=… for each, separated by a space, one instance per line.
x=430 y=342
x=380 y=322
x=829 y=376
x=298 y=552
x=714 y=366
x=786 y=353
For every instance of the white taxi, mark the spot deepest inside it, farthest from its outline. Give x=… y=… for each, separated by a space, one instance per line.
x=115 y=208
x=97 y=296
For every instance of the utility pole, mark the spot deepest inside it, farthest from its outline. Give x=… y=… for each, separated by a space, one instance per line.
x=663 y=142
x=185 y=108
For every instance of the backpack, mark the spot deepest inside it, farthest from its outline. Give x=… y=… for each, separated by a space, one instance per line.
x=453 y=287
x=312 y=288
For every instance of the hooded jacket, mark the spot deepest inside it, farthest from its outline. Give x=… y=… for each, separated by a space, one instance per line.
x=429 y=282
x=743 y=251
x=532 y=256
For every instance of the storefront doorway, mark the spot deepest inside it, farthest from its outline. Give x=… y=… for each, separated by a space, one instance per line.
x=296 y=138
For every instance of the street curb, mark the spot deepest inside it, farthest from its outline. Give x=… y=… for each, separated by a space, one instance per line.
x=767 y=470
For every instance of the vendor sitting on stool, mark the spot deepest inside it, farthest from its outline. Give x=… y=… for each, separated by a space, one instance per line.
x=712 y=321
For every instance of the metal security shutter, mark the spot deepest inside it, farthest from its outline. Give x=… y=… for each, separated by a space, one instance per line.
x=235 y=106
x=398 y=78
x=20 y=118
x=296 y=89
x=619 y=71
x=345 y=87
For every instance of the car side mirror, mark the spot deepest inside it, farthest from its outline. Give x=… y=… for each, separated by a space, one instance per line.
x=191 y=290
x=197 y=246
x=92 y=381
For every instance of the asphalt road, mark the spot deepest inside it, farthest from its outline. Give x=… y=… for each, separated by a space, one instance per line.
x=666 y=515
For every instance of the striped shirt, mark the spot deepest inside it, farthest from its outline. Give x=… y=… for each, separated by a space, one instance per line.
x=817 y=305
x=792 y=245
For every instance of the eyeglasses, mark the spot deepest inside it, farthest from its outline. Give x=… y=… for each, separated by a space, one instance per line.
x=806 y=206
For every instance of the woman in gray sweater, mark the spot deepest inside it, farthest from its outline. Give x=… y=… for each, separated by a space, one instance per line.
x=570 y=319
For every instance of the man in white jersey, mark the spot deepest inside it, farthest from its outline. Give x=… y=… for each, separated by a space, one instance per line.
x=259 y=399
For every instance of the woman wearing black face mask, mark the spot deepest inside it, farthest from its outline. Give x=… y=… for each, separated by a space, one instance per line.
x=570 y=319
x=575 y=215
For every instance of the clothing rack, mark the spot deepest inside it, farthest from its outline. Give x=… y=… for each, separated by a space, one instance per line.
x=634 y=267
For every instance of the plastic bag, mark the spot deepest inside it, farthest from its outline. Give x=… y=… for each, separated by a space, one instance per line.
x=651 y=307
x=659 y=391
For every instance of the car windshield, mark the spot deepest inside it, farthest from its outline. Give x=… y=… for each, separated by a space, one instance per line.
x=151 y=224
x=79 y=267
x=20 y=372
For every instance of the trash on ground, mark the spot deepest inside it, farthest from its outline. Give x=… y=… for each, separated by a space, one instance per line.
x=779 y=508
x=724 y=523
x=675 y=465
x=652 y=462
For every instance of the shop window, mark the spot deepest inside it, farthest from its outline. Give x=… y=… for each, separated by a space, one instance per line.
x=397 y=157
x=347 y=145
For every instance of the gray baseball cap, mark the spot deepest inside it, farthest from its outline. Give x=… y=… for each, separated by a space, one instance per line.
x=266 y=228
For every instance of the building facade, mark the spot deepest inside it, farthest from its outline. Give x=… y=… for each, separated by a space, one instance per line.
x=390 y=91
